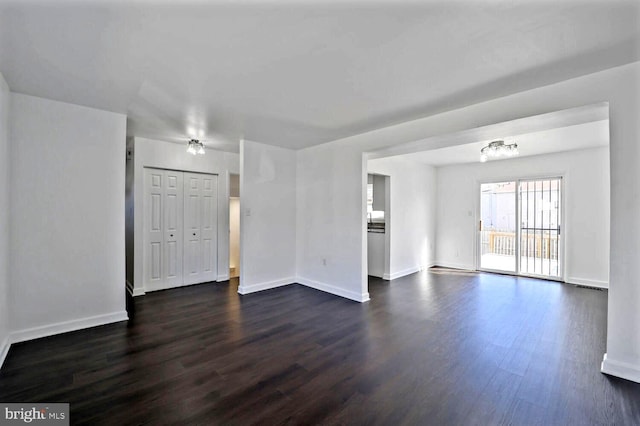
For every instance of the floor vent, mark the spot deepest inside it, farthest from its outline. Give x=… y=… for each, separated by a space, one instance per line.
x=590 y=288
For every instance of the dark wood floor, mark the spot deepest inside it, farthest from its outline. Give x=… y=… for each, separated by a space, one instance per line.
x=438 y=347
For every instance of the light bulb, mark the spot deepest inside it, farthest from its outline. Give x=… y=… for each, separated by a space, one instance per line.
x=201 y=150
x=483 y=158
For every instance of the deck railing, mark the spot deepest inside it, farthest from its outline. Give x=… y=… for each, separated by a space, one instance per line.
x=539 y=244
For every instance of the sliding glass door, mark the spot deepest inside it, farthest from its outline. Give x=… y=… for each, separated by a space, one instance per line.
x=520 y=227
x=498 y=227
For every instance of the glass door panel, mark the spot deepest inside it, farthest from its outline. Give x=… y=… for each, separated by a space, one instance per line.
x=540 y=227
x=498 y=227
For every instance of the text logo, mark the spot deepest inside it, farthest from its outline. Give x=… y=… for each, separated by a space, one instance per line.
x=38 y=414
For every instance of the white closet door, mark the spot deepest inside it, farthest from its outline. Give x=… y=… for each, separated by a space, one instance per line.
x=163 y=229
x=209 y=235
x=173 y=229
x=200 y=223
x=153 y=228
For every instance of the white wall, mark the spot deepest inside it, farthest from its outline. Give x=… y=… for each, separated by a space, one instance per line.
x=331 y=219
x=586 y=209
x=268 y=216
x=412 y=216
x=166 y=155
x=4 y=219
x=67 y=222
x=331 y=178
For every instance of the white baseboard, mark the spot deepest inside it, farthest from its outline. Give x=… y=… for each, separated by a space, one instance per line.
x=400 y=274
x=149 y=288
x=246 y=289
x=588 y=283
x=135 y=292
x=138 y=292
x=620 y=369
x=455 y=266
x=67 y=326
x=4 y=350
x=327 y=288
x=224 y=277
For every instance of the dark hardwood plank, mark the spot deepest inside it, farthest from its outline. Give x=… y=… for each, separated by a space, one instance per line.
x=437 y=347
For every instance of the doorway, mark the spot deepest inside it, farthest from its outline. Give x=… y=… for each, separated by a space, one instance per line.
x=234 y=225
x=378 y=226
x=520 y=227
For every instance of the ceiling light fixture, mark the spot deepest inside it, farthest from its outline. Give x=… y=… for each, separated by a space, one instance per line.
x=195 y=147
x=497 y=149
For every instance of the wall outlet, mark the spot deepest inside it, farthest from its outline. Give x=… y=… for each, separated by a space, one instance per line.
x=247 y=212
x=324 y=262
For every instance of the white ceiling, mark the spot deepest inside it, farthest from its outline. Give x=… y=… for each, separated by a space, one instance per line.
x=295 y=74
x=580 y=136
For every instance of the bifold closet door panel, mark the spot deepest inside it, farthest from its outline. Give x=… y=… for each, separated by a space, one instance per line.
x=192 y=248
x=209 y=235
x=200 y=224
x=173 y=228
x=163 y=229
x=153 y=227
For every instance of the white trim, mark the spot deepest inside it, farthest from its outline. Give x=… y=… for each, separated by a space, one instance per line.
x=135 y=292
x=451 y=265
x=620 y=369
x=246 y=289
x=327 y=288
x=138 y=292
x=67 y=326
x=223 y=277
x=159 y=287
x=4 y=350
x=588 y=283
x=401 y=274
x=150 y=287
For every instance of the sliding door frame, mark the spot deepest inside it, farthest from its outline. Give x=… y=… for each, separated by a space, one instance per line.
x=518 y=272
x=478 y=237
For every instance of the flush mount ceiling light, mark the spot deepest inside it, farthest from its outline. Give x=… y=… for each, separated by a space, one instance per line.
x=497 y=149
x=195 y=147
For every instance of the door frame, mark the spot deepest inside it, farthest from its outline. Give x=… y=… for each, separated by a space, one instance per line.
x=563 y=229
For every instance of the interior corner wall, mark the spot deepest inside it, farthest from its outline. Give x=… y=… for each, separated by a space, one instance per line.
x=173 y=156
x=4 y=219
x=267 y=217
x=67 y=223
x=586 y=204
x=412 y=219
